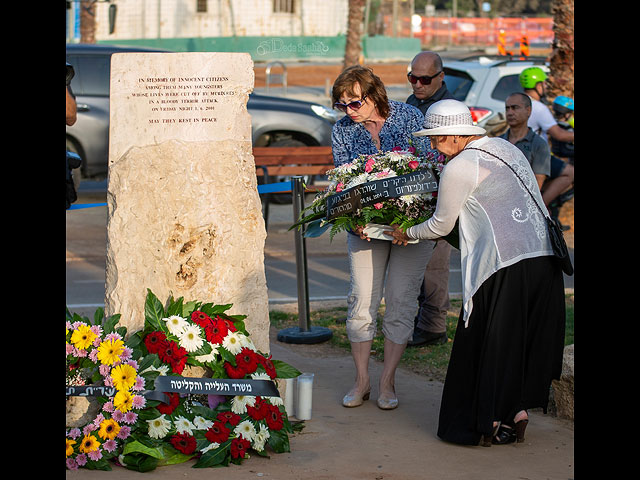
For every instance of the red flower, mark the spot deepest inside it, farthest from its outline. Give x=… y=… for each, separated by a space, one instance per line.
x=260 y=409
x=174 y=401
x=234 y=372
x=184 y=442
x=201 y=318
x=229 y=416
x=155 y=341
x=178 y=363
x=217 y=433
x=274 y=418
x=216 y=330
x=268 y=366
x=413 y=164
x=247 y=359
x=230 y=325
x=239 y=447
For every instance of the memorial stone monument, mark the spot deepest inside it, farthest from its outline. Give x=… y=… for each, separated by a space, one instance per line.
x=184 y=214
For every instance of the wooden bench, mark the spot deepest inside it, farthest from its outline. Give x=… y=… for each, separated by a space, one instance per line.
x=291 y=161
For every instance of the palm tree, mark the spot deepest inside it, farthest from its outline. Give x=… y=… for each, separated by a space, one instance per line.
x=353 y=47
x=561 y=60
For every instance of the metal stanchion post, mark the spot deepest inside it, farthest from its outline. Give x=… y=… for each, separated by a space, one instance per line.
x=304 y=333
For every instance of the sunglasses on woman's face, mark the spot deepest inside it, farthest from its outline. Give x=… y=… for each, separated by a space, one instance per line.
x=355 y=105
x=424 y=80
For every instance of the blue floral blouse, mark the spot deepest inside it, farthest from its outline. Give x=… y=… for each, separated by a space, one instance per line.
x=350 y=139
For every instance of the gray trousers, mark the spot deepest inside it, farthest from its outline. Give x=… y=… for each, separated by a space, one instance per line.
x=434 y=298
x=404 y=267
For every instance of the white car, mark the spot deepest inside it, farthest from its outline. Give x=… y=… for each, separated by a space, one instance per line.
x=484 y=82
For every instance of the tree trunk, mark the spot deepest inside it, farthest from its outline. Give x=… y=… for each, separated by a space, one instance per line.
x=88 y=21
x=353 y=48
x=561 y=61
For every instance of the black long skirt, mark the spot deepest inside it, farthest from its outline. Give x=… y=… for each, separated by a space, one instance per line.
x=504 y=361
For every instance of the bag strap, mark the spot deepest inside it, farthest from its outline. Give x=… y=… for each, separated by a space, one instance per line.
x=514 y=172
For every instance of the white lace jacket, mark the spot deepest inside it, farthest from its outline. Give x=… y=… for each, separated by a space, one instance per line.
x=499 y=223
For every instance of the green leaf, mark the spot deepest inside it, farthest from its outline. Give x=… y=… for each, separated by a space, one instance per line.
x=140 y=462
x=137 y=447
x=284 y=370
x=214 y=457
x=153 y=311
x=175 y=307
x=279 y=441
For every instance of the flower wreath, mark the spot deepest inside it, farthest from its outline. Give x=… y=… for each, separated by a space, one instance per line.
x=97 y=356
x=216 y=430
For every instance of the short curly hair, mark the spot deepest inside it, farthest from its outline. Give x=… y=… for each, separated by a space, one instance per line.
x=370 y=85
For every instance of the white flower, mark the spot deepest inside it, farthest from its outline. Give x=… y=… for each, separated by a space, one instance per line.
x=246 y=430
x=246 y=342
x=190 y=338
x=240 y=402
x=159 y=427
x=163 y=369
x=211 y=446
x=175 y=324
x=202 y=423
x=277 y=401
x=260 y=376
x=261 y=438
x=184 y=425
x=233 y=342
x=209 y=357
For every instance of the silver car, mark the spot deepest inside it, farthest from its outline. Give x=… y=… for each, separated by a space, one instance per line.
x=275 y=121
x=484 y=82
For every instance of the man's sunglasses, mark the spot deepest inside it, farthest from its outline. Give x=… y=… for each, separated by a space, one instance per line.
x=424 y=80
x=355 y=105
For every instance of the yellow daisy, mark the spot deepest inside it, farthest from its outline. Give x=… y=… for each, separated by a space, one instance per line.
x=109 y=351
x=70 y=444
x=83 y=337
x=123 y=376
x=109 y=428
x=123 y=401
x=89 y=444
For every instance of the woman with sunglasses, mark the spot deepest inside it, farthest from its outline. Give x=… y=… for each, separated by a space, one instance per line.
x=373 y=123
x=509 y=341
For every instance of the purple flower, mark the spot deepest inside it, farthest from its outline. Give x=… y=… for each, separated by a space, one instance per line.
x=215 y=400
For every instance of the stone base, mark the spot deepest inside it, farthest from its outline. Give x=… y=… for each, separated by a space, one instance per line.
x=562 y=391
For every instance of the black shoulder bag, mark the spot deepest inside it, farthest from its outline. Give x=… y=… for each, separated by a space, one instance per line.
x=558 y=244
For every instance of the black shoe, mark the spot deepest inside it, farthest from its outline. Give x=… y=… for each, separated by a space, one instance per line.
x=422 y=337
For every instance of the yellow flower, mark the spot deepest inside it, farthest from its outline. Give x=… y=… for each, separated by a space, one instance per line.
x=109 y=351
x=123 y=401
x=123 y=376
x=89 y=444
x=83 y=337
x=70 y=444
x=109 y=428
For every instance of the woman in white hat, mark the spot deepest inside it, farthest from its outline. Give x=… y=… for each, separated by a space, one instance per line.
x=510 y=337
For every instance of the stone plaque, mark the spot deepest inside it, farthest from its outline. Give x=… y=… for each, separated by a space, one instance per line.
x=184 y=214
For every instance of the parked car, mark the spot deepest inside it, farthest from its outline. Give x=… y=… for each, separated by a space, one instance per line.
x=275 y=121
x=484 y=82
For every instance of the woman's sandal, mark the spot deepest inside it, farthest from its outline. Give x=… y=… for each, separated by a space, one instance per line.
x=506 y=434
x=486 y=440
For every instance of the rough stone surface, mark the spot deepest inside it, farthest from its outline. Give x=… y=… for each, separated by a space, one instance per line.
x=184 y=215
x=563 y=389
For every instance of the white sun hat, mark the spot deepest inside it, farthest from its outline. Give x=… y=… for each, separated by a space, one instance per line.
x=449 y=117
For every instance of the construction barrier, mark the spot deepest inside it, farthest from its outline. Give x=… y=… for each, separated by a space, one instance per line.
x=447 y=31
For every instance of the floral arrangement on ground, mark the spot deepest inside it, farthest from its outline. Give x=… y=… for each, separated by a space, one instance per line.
x=213 y=429
x=405 y=210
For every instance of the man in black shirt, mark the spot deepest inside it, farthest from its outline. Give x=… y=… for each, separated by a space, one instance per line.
x=427 y=81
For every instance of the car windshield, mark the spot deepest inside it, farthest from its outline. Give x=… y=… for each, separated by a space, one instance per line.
x=458 y=83
x=92 y=74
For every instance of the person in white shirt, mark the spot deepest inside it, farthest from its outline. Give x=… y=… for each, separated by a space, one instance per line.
x=509 y=340
x=544 y=124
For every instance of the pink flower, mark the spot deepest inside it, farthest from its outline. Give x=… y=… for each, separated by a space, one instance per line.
x=82 y=459
x=339 y=187
x=72 y=464
x=369 y=165
x=378 y=206
x=74 y=433
x=413 y=164
x=130 y=417
x=124 y=432
x=396 y=149
x=95 y=455
x=382 y=174
x=110 y=445
x=411 y=150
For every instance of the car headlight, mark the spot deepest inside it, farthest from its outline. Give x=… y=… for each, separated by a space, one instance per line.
x=325 y=113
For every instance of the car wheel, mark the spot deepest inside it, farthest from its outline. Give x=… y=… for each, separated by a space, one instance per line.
x=284 y=198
